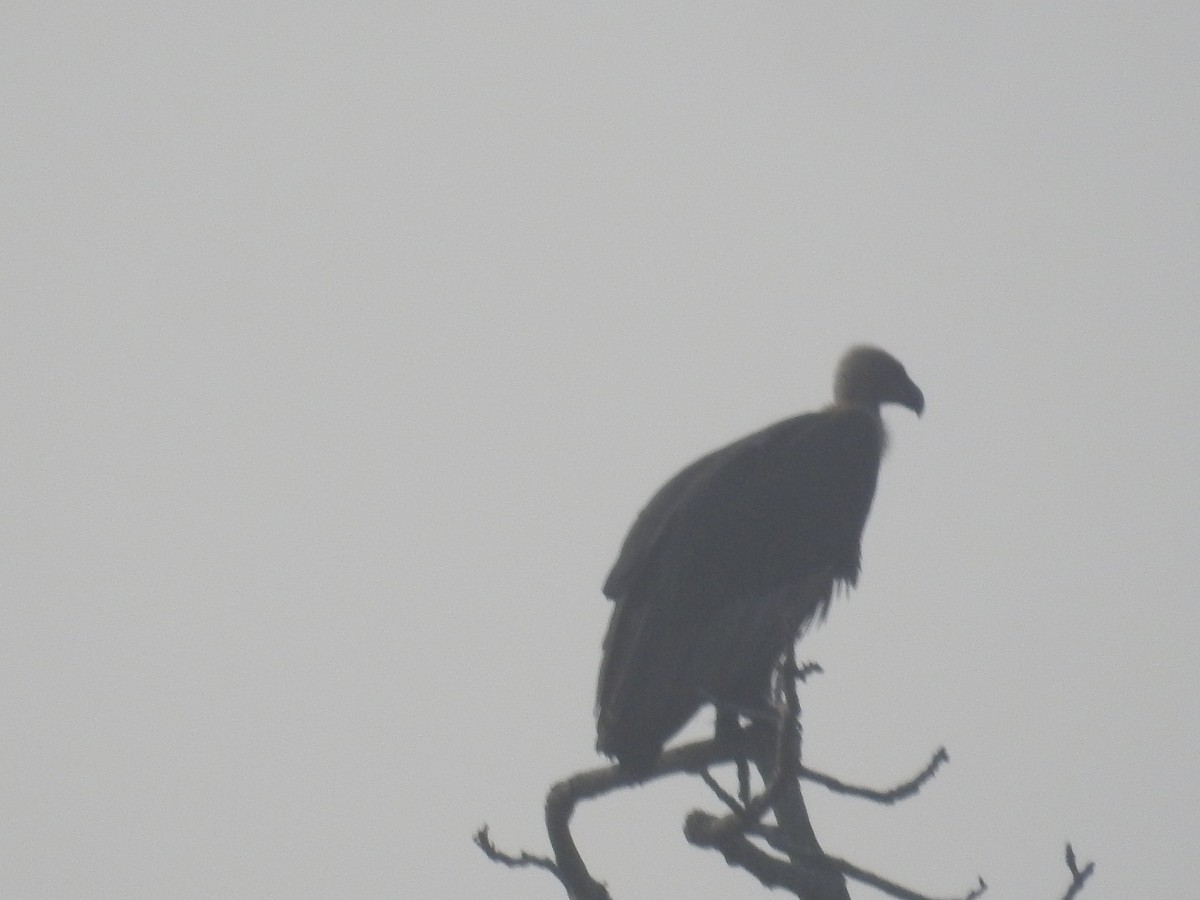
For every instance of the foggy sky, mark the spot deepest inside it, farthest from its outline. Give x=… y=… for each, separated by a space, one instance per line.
x=340 y=348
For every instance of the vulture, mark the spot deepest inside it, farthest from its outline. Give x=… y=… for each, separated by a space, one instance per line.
x=735 y=556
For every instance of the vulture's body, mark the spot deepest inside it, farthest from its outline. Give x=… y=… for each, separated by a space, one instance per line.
x=735 y=556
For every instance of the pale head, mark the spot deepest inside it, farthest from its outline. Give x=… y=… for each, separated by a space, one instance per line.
x=869 y=377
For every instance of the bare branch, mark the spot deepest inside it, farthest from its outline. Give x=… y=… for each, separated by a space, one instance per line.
x=779 y=767
x=566 y=794
x=890 y=796
x=568 y=865
x=723 y=795
x=807 y=871
x=750 y=809
x=726 y=835
x=802 y=672
x=1078 y=876
x=560 y=804
x=484 y=841
x=743 y=778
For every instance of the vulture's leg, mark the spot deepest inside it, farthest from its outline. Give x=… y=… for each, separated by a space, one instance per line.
x=759 y=730
x=729 y=731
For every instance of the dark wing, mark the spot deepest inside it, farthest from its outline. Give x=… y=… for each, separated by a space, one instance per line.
x=658 y=513
x=710 y=581
x=774 y=506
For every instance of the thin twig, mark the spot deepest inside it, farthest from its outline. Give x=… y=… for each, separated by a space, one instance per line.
x=1078 y=876
x=802 y=672
x=890 y=796
x=723 y=795
x=484 y=841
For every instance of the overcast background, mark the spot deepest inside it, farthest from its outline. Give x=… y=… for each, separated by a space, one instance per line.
x=341 y=344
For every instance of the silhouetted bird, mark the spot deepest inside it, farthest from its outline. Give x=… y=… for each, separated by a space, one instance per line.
x=735 y=556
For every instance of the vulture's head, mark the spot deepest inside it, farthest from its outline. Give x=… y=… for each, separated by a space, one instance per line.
x=867 y=376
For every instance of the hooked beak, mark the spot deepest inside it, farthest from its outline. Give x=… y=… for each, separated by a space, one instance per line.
x=912 y=397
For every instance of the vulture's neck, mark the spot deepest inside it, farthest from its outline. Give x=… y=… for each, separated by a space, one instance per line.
x=847 y=404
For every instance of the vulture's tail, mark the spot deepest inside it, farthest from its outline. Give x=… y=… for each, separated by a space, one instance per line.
x=644 y=695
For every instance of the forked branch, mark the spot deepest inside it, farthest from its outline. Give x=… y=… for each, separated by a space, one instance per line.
x=802 y=867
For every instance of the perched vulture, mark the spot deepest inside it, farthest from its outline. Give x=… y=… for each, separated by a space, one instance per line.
x=735 y=556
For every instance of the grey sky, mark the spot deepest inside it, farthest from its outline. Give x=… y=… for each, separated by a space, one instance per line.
x=340 y=348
